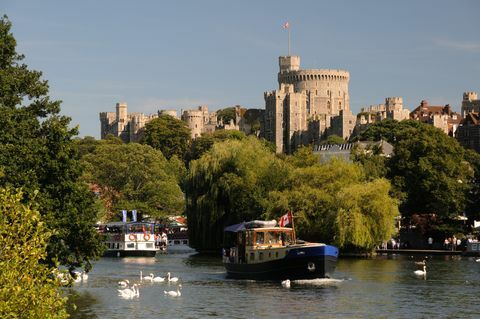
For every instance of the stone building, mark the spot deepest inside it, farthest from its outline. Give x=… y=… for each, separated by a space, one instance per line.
x=126 y=126
x=441 y=117
x=392 y=109
x=470 y=103
x=200 y=121
x=468 y=132
x=300 y=111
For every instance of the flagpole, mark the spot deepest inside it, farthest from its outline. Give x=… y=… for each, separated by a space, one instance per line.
x=288 y=40
x=293 y=230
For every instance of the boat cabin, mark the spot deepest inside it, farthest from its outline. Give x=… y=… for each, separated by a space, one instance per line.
x=256 y=245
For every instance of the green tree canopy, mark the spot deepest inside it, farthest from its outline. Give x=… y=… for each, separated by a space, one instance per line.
x=333 y=140
x=226 y=115
x=27 y=287
x=36 y=153
x=203 y=143
x=169 y=135
x=134 y=176
x=335 y=203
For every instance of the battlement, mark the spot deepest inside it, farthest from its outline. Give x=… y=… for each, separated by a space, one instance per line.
x=470 y=96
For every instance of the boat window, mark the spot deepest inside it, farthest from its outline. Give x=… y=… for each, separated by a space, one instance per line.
x=131 y=245
x=260 y=238
x=274 y=238
x=252 y=256
x=149 y=245
x=176 y=242
x=260 y=256
x=185 y=242
x=276 y=254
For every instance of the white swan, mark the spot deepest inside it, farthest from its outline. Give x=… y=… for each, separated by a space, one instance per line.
x=174 y=293
x=172 y=279
x=124 y=283
x=477 y=260
x=84 y=276
x=79 y=276
x=286 y=283
x=129 y=292
x=149 y=277
x=158 y=279
x=421 y=272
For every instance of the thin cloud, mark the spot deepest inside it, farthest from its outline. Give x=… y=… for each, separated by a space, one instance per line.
x=459 y=46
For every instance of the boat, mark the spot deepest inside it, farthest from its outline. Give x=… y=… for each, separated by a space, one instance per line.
x=265 y=251
x=178 y=242
x=124 y=239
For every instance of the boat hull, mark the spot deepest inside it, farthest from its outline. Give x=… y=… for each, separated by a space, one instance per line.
x=299 y=263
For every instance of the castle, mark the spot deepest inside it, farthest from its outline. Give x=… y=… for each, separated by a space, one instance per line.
x=301 y=111
x=129 y=126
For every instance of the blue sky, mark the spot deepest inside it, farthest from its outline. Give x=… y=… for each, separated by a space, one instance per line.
x=180 y=54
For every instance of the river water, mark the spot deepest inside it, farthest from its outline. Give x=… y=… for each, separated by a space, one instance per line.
x=383 y=287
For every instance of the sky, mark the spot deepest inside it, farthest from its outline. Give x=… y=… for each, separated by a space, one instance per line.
x=157 y=55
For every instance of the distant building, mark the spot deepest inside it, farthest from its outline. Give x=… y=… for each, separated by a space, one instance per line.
x=468 y=132
x=200 y=121
x=470 y=103
x=441 y=117
x=126 y=126
x=343 y=151
x=392 y=109
x=299 y=112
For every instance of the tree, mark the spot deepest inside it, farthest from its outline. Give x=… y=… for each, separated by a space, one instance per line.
x=27 y=287
x=169 y=135
x=203 y=143
x=334 y=203
x=134 y=176
x=428 y=167
x=333 y=140
x=227 y=185
x=226 y=115
x=36 y=154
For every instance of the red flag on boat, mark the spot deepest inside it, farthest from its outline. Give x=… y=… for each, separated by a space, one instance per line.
x=285 y=219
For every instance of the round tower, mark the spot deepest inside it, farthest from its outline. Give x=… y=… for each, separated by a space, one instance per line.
x=470 y=96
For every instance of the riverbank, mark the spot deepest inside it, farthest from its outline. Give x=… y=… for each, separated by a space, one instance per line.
x=419 y=252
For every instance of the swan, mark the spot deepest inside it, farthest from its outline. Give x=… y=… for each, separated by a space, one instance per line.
x=158 y=279
x=84 y=276
x=174 y=293
x=124 y=283
x=421 y=263
x=477 y=260
x=421 y=272
x=286 y=283
x=149 y=277
x=172 y=279
x=79 y=276
x=129 y=292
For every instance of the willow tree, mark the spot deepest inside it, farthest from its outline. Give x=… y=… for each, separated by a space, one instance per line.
x=335 y=203
x=229 y=184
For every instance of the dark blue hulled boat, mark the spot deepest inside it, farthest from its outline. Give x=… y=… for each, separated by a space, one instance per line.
x=264 y=251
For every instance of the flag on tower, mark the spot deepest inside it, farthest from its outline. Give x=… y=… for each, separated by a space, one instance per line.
x=285 y=219
x=285 y=25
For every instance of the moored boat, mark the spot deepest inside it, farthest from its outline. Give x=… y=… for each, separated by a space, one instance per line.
x=129 y=239
x=264 y=251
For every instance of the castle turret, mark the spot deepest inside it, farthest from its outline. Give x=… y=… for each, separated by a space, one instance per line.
x=289 y=63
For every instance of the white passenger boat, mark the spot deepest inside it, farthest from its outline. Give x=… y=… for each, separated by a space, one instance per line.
x=129 y=239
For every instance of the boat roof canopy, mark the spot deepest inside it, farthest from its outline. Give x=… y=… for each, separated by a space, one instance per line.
x=254 y=224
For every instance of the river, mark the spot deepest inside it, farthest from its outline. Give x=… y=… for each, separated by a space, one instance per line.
x=382 y=287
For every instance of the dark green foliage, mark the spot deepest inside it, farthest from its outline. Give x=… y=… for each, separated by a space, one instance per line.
x=135 y=176
x=37 y=154
x=169 y=135
x=226 y=115
x=333 y=140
